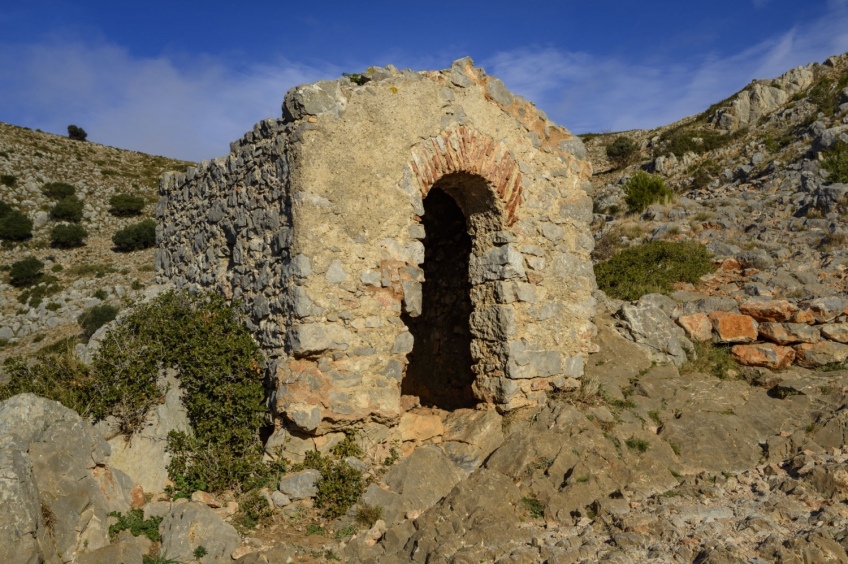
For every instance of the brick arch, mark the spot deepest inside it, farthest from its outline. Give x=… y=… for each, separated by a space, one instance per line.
x=466 y=150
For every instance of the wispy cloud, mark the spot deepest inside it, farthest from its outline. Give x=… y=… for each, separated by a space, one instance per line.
x=592 y=93
x=190 y=110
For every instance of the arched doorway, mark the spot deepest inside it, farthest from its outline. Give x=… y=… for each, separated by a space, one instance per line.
x=441 y=367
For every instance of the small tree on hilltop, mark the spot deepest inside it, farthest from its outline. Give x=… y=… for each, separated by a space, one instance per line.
x=77 y=133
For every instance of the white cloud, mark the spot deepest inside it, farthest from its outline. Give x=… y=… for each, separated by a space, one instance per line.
x=592 y=93
x=189 y=111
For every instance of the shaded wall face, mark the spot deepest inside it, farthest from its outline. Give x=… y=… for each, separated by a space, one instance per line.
x=440 y=364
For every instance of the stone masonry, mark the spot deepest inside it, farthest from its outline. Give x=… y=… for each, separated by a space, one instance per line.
x=415 y=233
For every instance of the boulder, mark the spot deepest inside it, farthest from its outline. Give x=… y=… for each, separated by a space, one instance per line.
x=420 y=427
x=76 y=488
x=766 y=355
x=813 y=355
x=733 y=327
x=471 y=436
x=772 y=310
x=789 y=333
x=192 y=524
x=424 y=477
x=301 y=484
x=649 y=326
x=697 y=326
x=144 y=456
x=835 y=331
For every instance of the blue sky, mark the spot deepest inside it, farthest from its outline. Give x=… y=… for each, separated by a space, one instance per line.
x=184 y=78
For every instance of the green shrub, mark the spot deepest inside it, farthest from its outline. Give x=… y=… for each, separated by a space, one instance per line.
x=622 y=150
x=644 y=189
x=836 y=162
x=58 y=190
x=135 y=523
x=366 y=515
x=682 y=140
x=339 y=487
x=652 y=268
x=135 y=237
x=639 y=445
x=68 y=208
x=15 y=226
x=9 y=180
x=5 y=208
x=77 y=133
x=96 y=317
x=67 y=235
x=710 y=359
x=253 y=510
x=26 y=272
x=533 y=506
x=125 y=205
x=218 y=363
x=56 y=375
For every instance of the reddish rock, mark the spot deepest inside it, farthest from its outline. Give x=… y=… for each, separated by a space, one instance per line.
x=734 y=327
x=207 y=499
x=697 y=326
x=835 y=331
x=415 y=427
x=766 y=355
x=730 y=264
x=804 y=316
x=789 y=333
x=826 y=309
x=820 y=354
x=138 y=499
x=772 y=310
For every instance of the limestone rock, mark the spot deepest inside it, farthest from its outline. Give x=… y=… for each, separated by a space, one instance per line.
x=471 y=436
x=301 y=484
x=820 y=354
x=763 y=354
x=189 y=525
x=419 y=427
x=69 y=467
x=733 y=327
x=789 y=333
x=424 y=477
x=697 y=326
x=774 y=310
x=649 y=326
x=835 y=331
x=144 y=456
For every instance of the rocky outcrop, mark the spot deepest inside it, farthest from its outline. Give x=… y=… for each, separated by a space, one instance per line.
x=58 y=488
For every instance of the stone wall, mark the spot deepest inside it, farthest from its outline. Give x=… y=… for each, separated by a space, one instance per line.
x=317 y=223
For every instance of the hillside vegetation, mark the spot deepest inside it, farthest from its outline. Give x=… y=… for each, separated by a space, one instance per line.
x=66 y=201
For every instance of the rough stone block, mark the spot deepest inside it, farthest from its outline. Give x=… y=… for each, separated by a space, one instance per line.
x=524 y=363
x=493 y=323
x=835 y=332
x=300 y=485
x=773 y=310
x=820 y=354
x=789 y=333
x=697 y=326
x=313 y=338
x=733 y=327
x=766 y=355
x=499 y=263
x=417 y=427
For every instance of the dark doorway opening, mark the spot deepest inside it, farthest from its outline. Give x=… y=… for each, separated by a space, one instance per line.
x=439 y=370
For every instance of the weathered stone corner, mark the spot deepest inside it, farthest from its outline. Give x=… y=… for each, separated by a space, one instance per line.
x=410 y=233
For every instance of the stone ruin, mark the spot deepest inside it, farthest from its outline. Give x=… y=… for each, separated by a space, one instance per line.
x=396 y=234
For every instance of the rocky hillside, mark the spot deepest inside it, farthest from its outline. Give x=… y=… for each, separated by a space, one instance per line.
x=78 y=278
x=749 y=182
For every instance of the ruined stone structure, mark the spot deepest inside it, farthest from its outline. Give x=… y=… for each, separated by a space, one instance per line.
x=415 y=233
